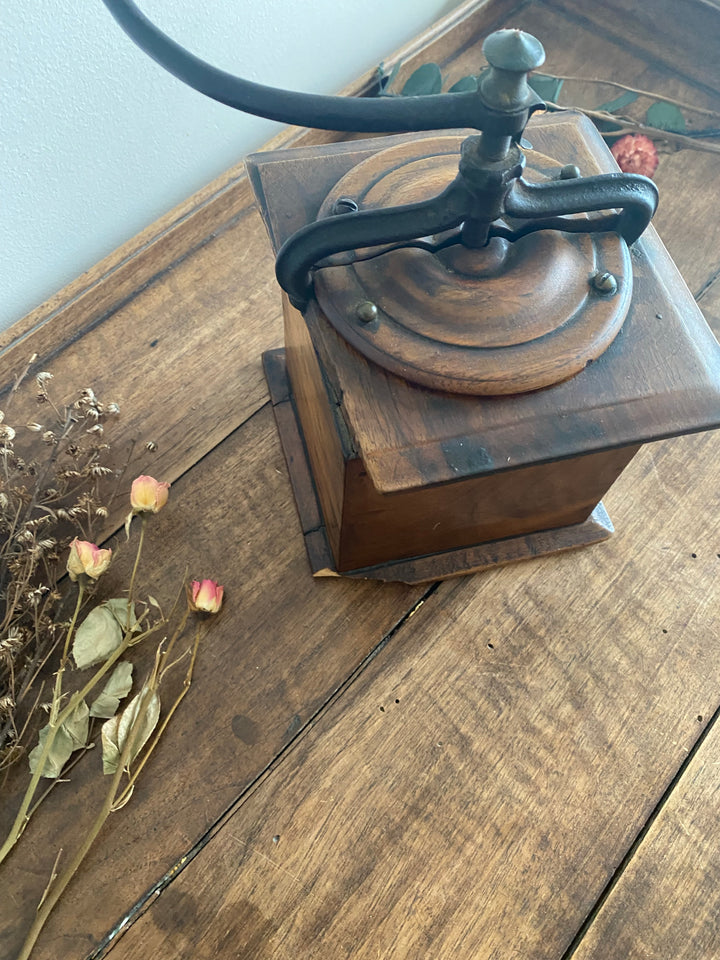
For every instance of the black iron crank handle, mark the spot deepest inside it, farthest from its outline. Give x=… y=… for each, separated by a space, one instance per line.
x=361 y=114
x=348 y=231
x=637 y=196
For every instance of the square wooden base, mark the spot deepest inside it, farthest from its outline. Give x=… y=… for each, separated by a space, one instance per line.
x=437 y=566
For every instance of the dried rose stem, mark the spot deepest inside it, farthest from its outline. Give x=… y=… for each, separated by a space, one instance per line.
x=55 y=891
x=58 y=717
x=131 y=588
x=22 y=816
x=125 y=795
x=113 y=800
x=57 y=692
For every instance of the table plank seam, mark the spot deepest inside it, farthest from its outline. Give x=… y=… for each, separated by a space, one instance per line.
x=151 y=895
x=639 y=838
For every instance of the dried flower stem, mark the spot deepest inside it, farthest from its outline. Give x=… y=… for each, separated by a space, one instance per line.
x=54 y=892
x=114 y=800
x=131 y=588
x=125 y=795
x=22 y=817
x=57 y=692
x=633 y=126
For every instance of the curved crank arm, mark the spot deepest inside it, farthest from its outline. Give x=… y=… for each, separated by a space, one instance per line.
x=346 y=231
x=637 y=197
x=361 y=114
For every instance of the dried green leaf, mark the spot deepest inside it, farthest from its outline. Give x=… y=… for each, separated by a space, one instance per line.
x=96 y=637
x=465 y=85
x=77 y=724
x=117 y=687
x=665 y=116
x=115 y=731
x=619 y=102
x=426 y=80
x=110 y=749
x=546 y=86
x=70 y=736
x=118 y=606
x=58 y=755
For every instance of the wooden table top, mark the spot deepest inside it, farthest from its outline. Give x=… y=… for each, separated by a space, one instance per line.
x=518 y=764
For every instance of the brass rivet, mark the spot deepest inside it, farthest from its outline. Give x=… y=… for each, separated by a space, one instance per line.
x=569 y=172
x=345 y=205
x=366 y=311
x=605 y=283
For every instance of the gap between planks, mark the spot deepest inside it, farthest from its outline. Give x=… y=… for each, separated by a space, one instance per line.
x=148 y=898
x=634 y=847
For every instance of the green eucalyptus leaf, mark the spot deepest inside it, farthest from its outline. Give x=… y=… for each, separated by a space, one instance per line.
x=427 y=79
x=546 y=86
x=619 y=102
x=96 y=637
x=665 y=116
x=70 y=736
x=607 y=126
x=464 y=85
x=385 y=80
x=115 y=731
x=118 y=606
x=118 y=686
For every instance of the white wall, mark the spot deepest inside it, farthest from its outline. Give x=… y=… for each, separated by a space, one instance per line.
x=96 y=141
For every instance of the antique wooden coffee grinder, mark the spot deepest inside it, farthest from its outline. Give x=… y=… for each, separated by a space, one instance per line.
x=477 y=342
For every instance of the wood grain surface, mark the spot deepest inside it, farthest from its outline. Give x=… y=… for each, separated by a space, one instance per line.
x=476 y=788
x=348 y=779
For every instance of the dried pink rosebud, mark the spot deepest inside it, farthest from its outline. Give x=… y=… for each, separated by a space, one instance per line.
x=148 y=495
x=87 y=558
x=635 y=153
x=205 y=596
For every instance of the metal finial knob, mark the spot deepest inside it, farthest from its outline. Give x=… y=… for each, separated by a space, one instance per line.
x=513 y=50
x=512 y=54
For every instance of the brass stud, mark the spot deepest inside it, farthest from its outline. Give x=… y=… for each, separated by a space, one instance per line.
x=366 y=311
x=604 y=283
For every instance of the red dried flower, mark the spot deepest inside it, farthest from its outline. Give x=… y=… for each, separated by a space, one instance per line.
x=635 y=153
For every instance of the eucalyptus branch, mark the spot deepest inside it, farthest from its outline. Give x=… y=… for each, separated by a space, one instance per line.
x=642 y=93
x=633 y=126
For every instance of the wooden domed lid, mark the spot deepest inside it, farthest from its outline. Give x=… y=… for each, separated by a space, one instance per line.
x=507 y=318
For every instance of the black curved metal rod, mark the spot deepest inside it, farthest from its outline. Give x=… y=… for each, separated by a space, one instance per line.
x=361 y=114
x=637 y=196
x=347 y=231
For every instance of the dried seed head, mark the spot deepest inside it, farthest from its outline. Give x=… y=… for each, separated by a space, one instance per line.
x=7 y=705
x=42 y=378
x=101 y=512
x=49 y=437
x=7 y=434
x=35 y=427
x=97 y=429
x=113 y=409
x=3 y=501
x=99 y=471
x=151 y=446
